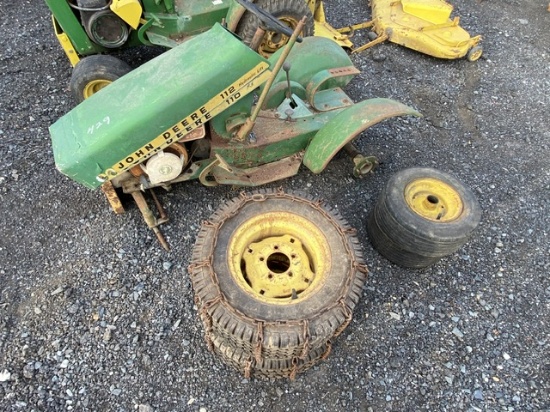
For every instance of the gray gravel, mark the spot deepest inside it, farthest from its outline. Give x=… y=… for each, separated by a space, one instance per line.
x=94 y=315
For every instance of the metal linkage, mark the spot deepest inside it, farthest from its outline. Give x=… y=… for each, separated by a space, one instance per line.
x=149 y=217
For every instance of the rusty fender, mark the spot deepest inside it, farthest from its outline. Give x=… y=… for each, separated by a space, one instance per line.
x=346 y=125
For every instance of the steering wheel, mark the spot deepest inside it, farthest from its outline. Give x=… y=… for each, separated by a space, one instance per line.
x=269 y=21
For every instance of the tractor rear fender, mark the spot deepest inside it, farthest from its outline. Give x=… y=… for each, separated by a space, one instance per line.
x=346 y=125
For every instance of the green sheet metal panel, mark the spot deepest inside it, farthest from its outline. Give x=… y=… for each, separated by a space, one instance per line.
x=327 y=55
x=119 y=121
x=70 y=24
x=346 y=125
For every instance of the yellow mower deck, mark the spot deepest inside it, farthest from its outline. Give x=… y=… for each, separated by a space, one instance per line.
x=422 y=25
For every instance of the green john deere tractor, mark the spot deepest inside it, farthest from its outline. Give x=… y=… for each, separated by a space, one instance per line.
x=90 y=31
x=216 y=110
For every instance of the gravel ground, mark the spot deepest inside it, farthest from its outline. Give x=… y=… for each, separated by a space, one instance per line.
x=94 y=315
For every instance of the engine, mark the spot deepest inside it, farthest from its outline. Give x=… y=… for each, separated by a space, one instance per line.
x=103 y=26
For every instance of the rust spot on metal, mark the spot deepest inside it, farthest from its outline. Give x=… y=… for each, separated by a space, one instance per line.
x=112 y=196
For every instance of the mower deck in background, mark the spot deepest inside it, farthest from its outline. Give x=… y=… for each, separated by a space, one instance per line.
x=422 y=25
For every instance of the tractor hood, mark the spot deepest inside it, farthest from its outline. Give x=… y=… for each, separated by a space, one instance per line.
x=154 y=106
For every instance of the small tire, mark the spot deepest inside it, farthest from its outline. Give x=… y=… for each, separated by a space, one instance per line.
x=276 y=275
x=474 y=53
x=93 y=73
x=289 y=12
x=421 y=216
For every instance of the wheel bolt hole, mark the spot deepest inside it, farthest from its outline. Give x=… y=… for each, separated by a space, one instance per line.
x=293 y=256
x=270 y=276
x=262 y=292
x=262 y=259
x=433 y=199
x=276 y=247
x=250 y=250
x=292 y=240
x=278 y=262
x=289 y=274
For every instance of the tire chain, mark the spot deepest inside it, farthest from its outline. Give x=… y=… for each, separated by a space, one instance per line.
x=212 y=304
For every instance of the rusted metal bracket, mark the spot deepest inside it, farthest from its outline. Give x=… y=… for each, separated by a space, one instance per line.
x=149 y=217
x=114 y=201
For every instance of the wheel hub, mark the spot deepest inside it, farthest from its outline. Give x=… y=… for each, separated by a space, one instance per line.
x=273 y=41
x=434 y=200
x=94 y=86
x=278 y=267
x=279 y=257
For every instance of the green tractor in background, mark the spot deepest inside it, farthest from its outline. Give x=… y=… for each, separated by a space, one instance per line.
x=91 y=30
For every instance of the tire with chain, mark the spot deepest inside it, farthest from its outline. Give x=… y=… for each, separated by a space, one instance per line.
x=289 y=12
x=251 y=366
x=421 y=216
x=276 y=275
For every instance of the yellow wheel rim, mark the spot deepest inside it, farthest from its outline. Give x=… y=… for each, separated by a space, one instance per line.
x=474 y=53
x=434 y=200
x=94 y=86
x=279 y=257
x=273 y=41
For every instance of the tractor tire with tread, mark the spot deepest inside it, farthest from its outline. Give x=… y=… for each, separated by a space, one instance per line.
x=422 y=215
x=93 y=73
x=290 y=12
x=267 y=368
x=276 y=275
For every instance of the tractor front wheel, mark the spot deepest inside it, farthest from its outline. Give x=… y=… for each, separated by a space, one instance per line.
x=474 y=53
x=421 y=216
x=93 y=73
x=289 y=12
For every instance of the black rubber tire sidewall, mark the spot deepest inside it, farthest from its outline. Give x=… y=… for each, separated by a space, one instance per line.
x=294 y=8
x=391 y=249
x=410 y=240
x=96 y=67
x=445 y=232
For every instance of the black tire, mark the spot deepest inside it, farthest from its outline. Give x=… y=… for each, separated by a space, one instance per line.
x=421 y=216
x=249 y=366
x=276 y=275
x=92 y=73
x=474 y=53
x=289 y=12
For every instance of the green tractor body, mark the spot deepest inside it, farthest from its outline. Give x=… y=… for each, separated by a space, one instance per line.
x=117 y=126
x=227 y=116
x=117 y=132
x=92 y=31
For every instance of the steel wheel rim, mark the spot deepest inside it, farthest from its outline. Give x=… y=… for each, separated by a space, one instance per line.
x=94 y=86
x=273 y=41
x=434 y=200
x=278 y=257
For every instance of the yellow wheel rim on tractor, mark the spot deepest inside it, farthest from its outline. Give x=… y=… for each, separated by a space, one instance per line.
x=94 y=86
x=273 y=41
x=279 y=257
x=434 y=200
